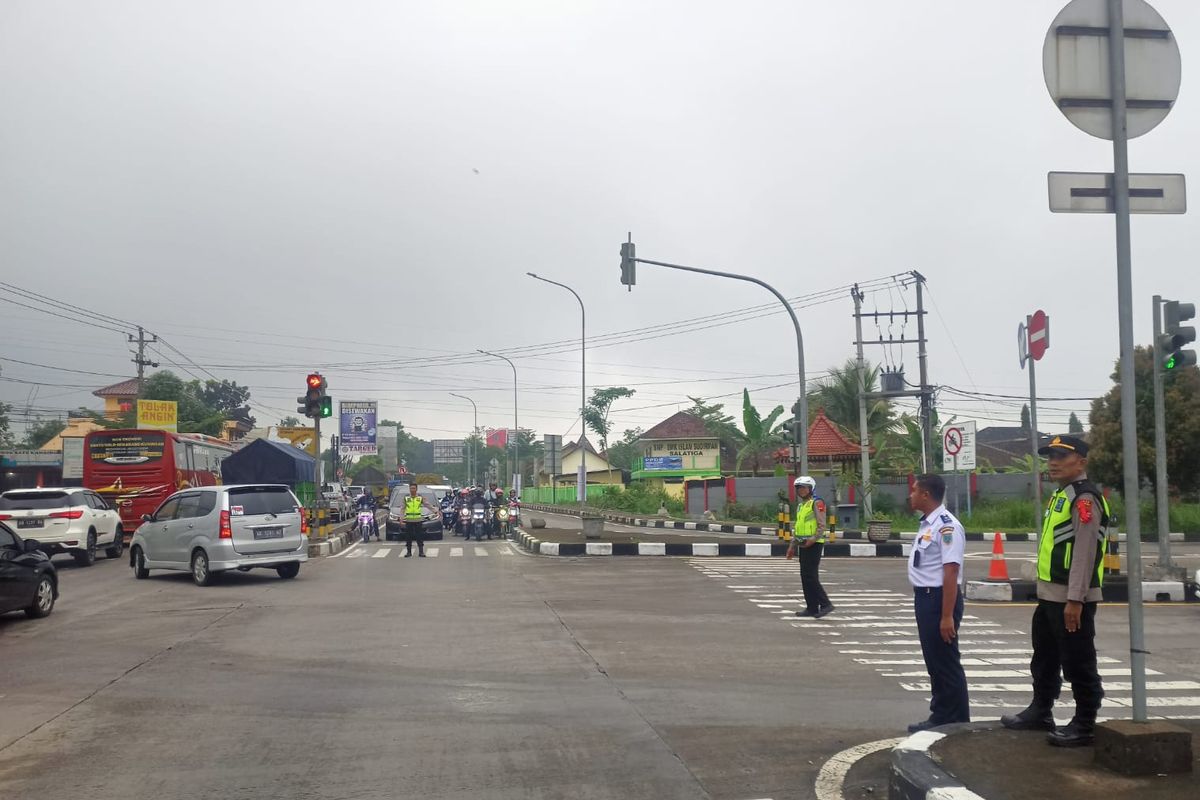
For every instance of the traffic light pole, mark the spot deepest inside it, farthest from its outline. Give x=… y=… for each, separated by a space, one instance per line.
x=1160 y=445
x=800 y=436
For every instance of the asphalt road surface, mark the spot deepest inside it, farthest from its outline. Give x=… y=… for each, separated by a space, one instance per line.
x=484 y=672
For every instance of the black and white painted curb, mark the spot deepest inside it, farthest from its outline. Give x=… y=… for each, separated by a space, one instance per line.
x=1116 y=590
x=749 y=549
x=916 y=776
x=759 y=530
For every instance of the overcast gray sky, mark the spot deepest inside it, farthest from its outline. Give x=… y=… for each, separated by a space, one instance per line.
x=273 y=185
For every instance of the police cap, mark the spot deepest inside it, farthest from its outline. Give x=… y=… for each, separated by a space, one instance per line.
x=1064 y=444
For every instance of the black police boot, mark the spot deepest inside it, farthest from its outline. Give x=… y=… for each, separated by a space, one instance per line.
x=925 y=725
x=808 y=612
x=1037 y=717
x=1079 y=732
x=821 y=612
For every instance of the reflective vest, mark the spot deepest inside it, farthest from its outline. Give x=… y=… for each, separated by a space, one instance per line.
x=412 y=507
x=806 y=518
x=1057 y=544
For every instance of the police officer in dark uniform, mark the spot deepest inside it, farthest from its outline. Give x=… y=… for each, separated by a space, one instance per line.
x=1070 y=574
x=935 y=567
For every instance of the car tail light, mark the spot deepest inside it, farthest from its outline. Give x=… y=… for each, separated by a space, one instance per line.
x=226 y=530
x=75 y=513
x=304 y=523
x=6 y=516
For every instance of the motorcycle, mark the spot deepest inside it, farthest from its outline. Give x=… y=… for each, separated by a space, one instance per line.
x=514 y=517
x=365 y=524
x=502 y=521
x=447 y=517
x=464 y=522
x=479 y=523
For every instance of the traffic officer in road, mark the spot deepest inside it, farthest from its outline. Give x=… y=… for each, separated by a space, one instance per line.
x=413 y=506
x=808 y=536
x=1070 y=571
x=935 y=567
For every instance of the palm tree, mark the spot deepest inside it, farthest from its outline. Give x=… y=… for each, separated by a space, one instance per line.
x=762 y=435
x=838 y=392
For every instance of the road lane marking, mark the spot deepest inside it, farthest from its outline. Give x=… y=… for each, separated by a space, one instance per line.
x=432 y=552
x=381 y=553
x=832 y=776
x=456 y=552
x=479 y=551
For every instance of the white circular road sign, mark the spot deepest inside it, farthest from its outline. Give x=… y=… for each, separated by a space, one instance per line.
x=953 y=441
x=1075 y=64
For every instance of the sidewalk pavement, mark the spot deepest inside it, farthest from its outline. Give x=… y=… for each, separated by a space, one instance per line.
x=985 y=760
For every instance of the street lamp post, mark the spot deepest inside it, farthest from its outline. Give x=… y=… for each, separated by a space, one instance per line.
x=581 y=482
x=516 y=471
x=472 y=462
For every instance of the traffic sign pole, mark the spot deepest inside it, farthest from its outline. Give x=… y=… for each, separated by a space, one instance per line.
x=1035 y=464
x=1116 y=65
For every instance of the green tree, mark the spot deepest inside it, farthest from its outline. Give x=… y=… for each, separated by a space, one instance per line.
x=1026 y=424
x=227 y=397
x=715 y=419
x=838 y=392
x=6 y=437
x=289 y=422
x=595 y=414
x=42 y=431
x=366 y=461
x=625 y=454
x=1181 y=394
x=1073 y=424
x=762 y=435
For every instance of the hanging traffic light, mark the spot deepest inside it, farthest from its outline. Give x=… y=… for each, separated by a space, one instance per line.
x=628 y=264
x=1176 y=336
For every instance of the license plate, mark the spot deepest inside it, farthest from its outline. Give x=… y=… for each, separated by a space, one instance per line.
x=268 y=533
x=29 y=523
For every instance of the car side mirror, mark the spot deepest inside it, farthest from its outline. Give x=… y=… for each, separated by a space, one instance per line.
x=147 y=518
x=32 y=545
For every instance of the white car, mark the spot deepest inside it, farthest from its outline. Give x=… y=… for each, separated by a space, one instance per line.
x=65 y=520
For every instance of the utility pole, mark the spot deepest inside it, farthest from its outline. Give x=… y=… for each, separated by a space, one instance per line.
x=863 y=442
x=140 y=359
x=926 y=389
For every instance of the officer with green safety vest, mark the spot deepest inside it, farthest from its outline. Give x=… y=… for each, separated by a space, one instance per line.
x=808 y=537
x=413 y=517
x=1070 y=571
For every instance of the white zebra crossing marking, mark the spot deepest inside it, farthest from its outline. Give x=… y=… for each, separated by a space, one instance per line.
x=382 y=552
x=431 y=552
x=479 y=551
x=880 y=627
x=456 y=552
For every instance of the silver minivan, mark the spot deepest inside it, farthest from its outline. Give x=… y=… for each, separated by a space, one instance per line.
x=212 y=529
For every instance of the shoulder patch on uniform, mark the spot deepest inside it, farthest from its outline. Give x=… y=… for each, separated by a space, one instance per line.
x=1059 y=503
x=820 y=506
x=946 y=518
x=947 y=538
x=1084 y=504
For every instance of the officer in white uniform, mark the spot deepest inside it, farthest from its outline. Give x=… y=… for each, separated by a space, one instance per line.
x=935 y=568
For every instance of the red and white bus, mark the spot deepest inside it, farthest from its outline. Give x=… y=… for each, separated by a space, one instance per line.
x=135 y=470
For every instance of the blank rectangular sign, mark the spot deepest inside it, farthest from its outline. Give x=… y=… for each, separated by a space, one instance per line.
x=1092 y=193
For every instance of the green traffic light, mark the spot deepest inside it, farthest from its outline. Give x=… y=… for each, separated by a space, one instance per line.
x=326 y=407
x=1170 y=363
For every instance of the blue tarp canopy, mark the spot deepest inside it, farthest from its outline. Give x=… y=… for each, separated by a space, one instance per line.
x=264 y=461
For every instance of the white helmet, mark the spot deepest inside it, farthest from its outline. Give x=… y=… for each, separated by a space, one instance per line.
x=805 y=480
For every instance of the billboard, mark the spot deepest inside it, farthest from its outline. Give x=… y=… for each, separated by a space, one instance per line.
x=448 y=451
x=389 y=447
x=552 y=452
x=303 y=438
x=662 y=463
x=356 y=433
x=72 y=458
x=158 y=415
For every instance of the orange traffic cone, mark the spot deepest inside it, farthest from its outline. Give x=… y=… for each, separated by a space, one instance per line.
x=998 y=571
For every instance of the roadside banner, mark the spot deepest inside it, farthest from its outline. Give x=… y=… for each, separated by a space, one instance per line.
x=302 y=438
x=72 y=455
x=357 y=430
x=158 y=415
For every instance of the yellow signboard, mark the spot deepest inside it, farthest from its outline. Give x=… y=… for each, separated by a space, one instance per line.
x=158 y=415
x=302 y=438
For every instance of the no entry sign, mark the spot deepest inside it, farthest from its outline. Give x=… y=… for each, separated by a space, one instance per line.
x=1039 y=335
